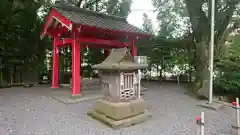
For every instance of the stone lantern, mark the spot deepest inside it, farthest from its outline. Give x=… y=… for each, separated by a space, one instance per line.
x=121 y=104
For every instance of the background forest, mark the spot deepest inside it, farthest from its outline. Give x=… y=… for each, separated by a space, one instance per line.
x=179 y=47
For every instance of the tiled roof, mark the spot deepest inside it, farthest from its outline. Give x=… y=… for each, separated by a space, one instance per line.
x=119 y=59
x=99 y=20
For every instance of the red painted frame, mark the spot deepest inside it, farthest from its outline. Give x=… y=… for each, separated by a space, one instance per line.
x=76 y=40
x=96 y=41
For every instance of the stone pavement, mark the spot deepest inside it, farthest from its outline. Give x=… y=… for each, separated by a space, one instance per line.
x=32 y=111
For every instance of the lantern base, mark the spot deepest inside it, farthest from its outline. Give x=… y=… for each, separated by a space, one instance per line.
x=120 y=123
x=120 y=110
x=117 y=114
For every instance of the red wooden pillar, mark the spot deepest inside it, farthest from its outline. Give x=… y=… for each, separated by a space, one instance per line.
x=133 y=49
x=75 y=65
x=55 y=57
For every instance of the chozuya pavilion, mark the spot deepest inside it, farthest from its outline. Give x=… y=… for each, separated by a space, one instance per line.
x=74 y=27
x=121 y=104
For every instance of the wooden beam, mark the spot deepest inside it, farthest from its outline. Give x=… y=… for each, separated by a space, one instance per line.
x=64 y=21
x=94 y=43
x=57 y=31
x=110 y=43
x=54 y=14
x=64 y=42
x=98 y=46
x=46 y=25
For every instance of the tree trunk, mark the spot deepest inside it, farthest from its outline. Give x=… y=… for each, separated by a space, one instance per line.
x=162 y=65
x=1 y=72
x=190 y=76
x=157 y=71
x=202 y=72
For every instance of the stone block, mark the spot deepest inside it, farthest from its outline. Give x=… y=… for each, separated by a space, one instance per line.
x=235 y=130
x=76 y=96
x=122 y=110
x=120 y=123
x=213 y=106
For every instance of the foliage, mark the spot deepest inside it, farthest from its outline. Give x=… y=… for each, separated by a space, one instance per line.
x=173 y=18
x=199 y=14
x=227 y=81
x=191 y=18
x=181 y=40
x=165 y=53
x=22 y=51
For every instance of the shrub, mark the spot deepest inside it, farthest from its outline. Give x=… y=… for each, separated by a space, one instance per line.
x=227 y=81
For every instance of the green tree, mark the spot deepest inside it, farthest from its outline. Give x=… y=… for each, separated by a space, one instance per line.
x=172 y=17
x=143 y=46
x=22 y=51
x=198 y=15
x=227 y=81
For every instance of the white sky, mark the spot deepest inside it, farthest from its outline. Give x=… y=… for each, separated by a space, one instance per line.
x=138 y=8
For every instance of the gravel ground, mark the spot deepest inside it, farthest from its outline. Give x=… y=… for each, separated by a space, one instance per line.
x=33 y=112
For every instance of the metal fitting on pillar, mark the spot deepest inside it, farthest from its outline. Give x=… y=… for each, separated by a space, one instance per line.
x=135 y=80
x=200 y=123
x=235 y=105
x=139 y=83
x=121 y=79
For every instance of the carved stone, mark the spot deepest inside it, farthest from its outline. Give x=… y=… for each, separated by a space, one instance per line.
x=121 y=104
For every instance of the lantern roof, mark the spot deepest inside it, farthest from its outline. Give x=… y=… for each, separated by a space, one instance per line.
x=119 y=59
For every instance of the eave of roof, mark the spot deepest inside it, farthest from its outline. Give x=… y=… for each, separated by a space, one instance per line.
x=98 y=20
x=88 y=12
x=116 y=61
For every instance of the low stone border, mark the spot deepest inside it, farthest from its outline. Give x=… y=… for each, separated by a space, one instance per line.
x=18 y=85
x=223 y=102
x=66 y=98
x=82 y=87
